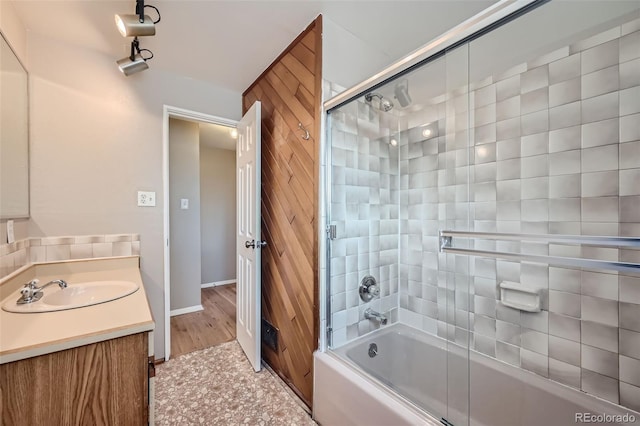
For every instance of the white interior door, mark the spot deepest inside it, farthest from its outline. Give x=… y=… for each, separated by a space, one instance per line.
x=248 y=241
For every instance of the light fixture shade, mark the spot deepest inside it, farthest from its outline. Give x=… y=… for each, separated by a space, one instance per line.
x=128 y=67
x=130 y=26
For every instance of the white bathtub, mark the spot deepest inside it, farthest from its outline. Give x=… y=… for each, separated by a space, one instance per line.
x=412 y=374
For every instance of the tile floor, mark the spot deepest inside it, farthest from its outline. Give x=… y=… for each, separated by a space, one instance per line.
x=217 y=386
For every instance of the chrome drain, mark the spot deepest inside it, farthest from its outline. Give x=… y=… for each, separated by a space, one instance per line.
x=373 y=350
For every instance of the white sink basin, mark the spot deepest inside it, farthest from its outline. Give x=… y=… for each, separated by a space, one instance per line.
x=74 y=296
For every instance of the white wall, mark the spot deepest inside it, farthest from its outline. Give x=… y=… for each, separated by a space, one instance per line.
x=218 y=214
x=347 y=59
x=96 y=139
x=184 y=183
x=14 y=30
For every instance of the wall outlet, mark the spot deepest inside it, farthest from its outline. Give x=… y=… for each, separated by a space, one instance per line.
x=184 y=203
x=146 y=199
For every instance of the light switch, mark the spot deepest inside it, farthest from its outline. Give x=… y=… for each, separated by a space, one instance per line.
x=146 y=199
x=184 y=203
x=10 y=235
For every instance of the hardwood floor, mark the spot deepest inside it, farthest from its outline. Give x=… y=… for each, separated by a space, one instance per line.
x=215 y=325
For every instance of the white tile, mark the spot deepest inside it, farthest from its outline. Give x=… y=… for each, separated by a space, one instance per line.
x=535 y=362
x=600 y=133
x=564 y=163
x=629 y=370
x=600 y=82
x=564 y=209
x=564 y=373
x=630 y=128
x=537 y=122
x=630 y=396
x=565 y=185
x=565 y=92
x=630 y=74
x=564 y=350
x=630 y=316
x=102 y=250
x=57 y=252
x=600 y=158
x=599 y=57
x=604 y=286
x=598 y=310
x=508 y=353
x=535 y=341
x=534 y=79
x=600 y=209
x=599 y=385
x=599 y=335
x=630 y=182
x=600 y=107
x=81 y=251
x=630 y=101
x=564 y=303
x=630 y=289
x=564 y=69
x=508 y=87
x=630 y=343
x=563 y=279
x=600 y=184
x=600 y=361
x=630 y=47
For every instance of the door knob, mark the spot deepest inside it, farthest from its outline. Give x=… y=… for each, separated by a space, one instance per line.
x=261 y=244
x=251 y=244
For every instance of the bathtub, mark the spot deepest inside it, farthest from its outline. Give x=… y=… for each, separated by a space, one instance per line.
x=410 y=378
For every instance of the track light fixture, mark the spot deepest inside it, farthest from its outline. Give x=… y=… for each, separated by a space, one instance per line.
x=138 y=25
x=135 y=62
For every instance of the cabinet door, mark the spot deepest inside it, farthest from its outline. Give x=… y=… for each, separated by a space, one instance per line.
x=101 y=383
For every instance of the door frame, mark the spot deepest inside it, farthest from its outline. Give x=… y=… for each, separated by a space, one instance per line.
x=168 y=112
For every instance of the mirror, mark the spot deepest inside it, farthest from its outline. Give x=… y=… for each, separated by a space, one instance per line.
x=14 y=135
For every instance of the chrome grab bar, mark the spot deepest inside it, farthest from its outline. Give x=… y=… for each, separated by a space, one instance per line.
x=607 y=241
x=549 y=238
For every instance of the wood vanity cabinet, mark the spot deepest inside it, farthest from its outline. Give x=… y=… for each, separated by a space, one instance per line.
x=104 y=383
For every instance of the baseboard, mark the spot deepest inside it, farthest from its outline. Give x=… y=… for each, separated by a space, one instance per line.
x=217 y=283
x=187 y=310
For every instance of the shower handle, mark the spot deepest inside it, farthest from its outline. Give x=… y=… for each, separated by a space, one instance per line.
x=368 y=288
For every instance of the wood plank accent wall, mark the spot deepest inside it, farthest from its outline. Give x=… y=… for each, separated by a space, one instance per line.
x=290 y=92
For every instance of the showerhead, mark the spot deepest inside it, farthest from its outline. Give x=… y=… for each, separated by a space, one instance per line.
x=401 y=93
x=383 y=104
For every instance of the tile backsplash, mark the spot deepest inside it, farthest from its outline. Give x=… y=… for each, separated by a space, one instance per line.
x=17 y=254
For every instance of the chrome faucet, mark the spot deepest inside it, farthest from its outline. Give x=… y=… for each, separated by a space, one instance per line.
x=371 y=314
x=32 y=293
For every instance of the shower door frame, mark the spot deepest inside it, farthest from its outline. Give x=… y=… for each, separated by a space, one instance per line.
x=496 y=15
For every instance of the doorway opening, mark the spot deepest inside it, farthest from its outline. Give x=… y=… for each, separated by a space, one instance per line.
x=199 y=230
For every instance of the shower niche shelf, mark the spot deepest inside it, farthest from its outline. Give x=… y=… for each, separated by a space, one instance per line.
x=518 y=296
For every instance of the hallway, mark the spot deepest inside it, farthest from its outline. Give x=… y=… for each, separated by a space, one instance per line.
x=211 y=327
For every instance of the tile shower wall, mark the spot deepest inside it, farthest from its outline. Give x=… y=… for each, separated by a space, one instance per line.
x=555 y=148
x=364 y=208
x=20 y=253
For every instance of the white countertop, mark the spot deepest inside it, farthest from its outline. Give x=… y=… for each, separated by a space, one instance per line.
x=25 y=335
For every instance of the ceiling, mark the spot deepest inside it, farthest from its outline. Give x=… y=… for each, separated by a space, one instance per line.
x=216 y=136
x=228 y=43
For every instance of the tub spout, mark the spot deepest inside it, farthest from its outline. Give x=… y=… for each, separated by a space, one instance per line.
x=371 y=314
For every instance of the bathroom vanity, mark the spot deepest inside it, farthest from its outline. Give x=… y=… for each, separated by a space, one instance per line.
x=89 y=365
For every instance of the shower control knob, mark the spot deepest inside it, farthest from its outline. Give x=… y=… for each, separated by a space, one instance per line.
x=368 y=288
